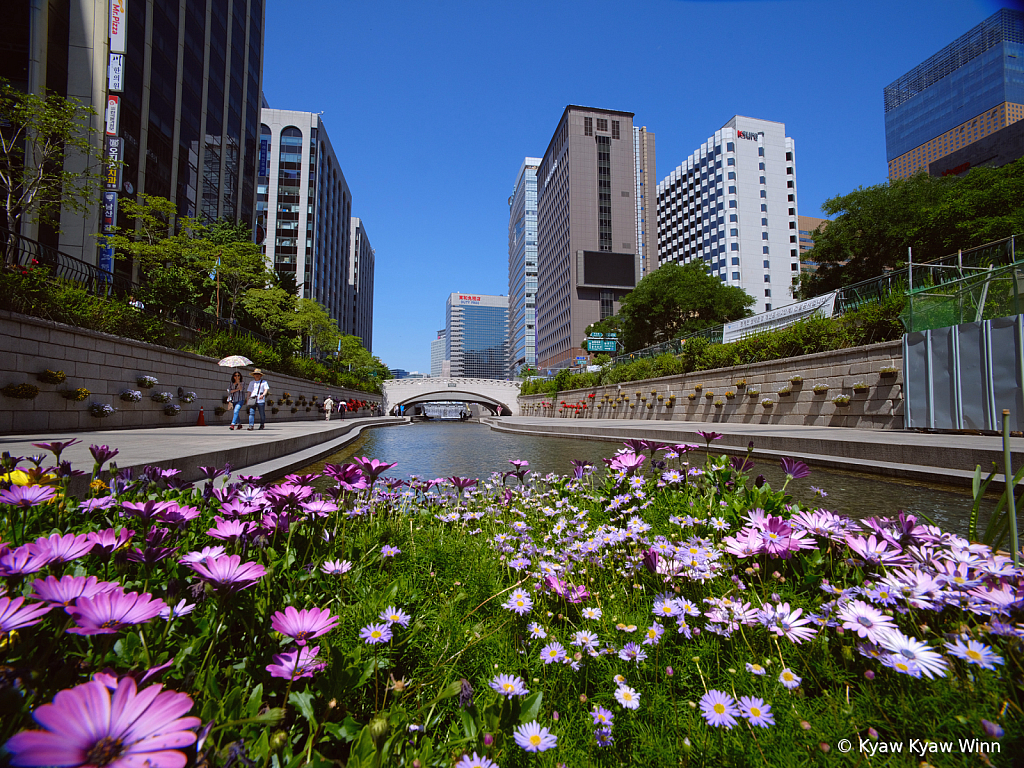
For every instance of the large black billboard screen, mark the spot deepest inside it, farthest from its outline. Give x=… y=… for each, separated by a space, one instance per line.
x=615 y=269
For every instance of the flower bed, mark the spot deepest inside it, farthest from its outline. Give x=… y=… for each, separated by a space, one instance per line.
x=686 y=613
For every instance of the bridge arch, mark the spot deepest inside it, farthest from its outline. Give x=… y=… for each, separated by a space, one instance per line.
x=500 y=397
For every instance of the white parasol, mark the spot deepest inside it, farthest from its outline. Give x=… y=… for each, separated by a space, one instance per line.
x=234 y=361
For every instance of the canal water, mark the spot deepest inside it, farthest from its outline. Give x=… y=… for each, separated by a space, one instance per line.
x=443 y=449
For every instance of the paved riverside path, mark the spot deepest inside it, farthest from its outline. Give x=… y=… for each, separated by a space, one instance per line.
x=940 y=458
x=272 y=452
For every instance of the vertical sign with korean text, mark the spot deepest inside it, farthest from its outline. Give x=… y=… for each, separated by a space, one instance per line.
x=118 y=25
x=115 y=153
x=115 y=72
x=264 y=151
x=113 y=115
x=109 y=212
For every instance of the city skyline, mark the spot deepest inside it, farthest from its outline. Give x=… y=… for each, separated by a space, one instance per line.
x=445 y=83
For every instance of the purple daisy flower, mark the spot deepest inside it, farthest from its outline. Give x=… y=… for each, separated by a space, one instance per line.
x=21 y=561
x=197 y=557
x=632 y=652
x=388 y=551
x=109 y=612
x=864 y=619
x=552 y=652
x=394 y=615
x=303 y=625
x=627 y=696
x=756 y=711
x=509 y=686
x=533 y=738
x=229 y=530
x=295 y=664
x=974 y=653
x=88 y=726
x=374 y=634
x=67 y=589
x=26 y=496
x=602 y=716
x=62 y=549
x=795 y=470
x=229 y=572
x=719 y=709
x=14 y=614
x=476 y=761
x=788 y=679
x=106 y=542
x=336 y=567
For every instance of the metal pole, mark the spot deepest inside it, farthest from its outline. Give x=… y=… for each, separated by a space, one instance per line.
x=910 y=267
x=1011 y=509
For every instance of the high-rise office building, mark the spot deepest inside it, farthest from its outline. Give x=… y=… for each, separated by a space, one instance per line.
x=806 y=227
x=646 y=204
x=176 y=89
x=732 y=205
x=304 y=205
x=476 y=336
x=437 y=352
x=360 y=286
x=970 y=89
x=586 y=229
x=522 y=269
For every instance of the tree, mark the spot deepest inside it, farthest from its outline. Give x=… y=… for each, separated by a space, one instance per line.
x=40 y=141
x=273 y=308
x=677 y=300
x=313 y=322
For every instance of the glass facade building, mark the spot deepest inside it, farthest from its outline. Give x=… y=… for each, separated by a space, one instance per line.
x=476 y=336
x=304 y=204
x=522 y=269
x=968 y=90
x=186 y=79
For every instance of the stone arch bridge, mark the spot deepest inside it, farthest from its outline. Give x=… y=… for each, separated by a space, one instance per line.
x=499 y=397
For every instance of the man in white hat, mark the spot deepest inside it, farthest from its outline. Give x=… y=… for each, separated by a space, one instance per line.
x=258 y=389
x=328 y=407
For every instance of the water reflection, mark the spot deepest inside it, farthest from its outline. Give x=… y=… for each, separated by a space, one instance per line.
x=444 y=449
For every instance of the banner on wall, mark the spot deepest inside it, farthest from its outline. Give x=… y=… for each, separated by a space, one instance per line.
x=112 y=174
x=115 y=72
x=118 y=25
x=113 y=115
x=109 y=212
x=779 y=318
x=264 y=151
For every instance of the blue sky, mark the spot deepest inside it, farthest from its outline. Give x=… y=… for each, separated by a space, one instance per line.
x=432 y=106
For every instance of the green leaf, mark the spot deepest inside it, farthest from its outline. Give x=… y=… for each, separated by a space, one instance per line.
x=530 y=707
x=363 y=750
x=469 y=724
x=453 y=689
x=304 y=703
x=252 y=707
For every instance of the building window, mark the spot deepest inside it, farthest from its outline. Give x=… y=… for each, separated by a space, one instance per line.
x=735 y=275
x=794 y=266
x=734 y=247
x=767 y=293
x=767 y=278
x=789 y=156
x=764 y=193
x=730 y=161
x=732 y=217
x=730 y=147
x=767 y=307
x=766 y=264
x=607 y=304
x=615 y=129
x=602 y=124
x=735 y=261
x=588 y=126
x=760 y=151
x=764 y=249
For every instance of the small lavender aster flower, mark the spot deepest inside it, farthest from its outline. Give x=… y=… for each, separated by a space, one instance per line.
x=552 y=652
x=756 y=711
x=336 y=567
x=719 y=709
x=533 y=738
x=602 y=716
x=627 y=697
x=388 y=551
x=509 y=686
x=476 y=761
x=974 y=653
x=788 y=679
x=374 y=634
x=295 y=664
x=394 y=615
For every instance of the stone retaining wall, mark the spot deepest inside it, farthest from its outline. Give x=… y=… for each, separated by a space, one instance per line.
x=732 y=398
x=106 y=365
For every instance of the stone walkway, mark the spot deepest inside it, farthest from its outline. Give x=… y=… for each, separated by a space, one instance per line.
x=272 y=452
x=940 y=458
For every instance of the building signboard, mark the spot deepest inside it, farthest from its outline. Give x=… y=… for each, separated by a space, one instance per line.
x=112 y=174
x=106 y=263
x=118 y=25
x=109 y=212
x=779 y=318
x=113 y=115
x=115 y=72
x=264 y=153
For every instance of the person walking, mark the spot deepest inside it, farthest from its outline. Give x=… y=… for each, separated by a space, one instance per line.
x=258 y=389
x=328 y=407
x=236 y=396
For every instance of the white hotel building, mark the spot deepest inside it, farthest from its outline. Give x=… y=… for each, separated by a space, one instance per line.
x=732 y=204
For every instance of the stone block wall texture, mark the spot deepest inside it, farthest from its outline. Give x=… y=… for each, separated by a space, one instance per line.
x=728 y=394
x=106 y=365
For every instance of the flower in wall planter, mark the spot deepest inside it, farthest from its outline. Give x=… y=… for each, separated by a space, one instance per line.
x=820 y=389
x=294 y=409
x=740 y=383
x=52 y=377
x=161 y=397
x=767 y=402
x=730 y=394
x=275 y=409
x=171 y=409
x=753 y=392
x=20 y=391
x=220 y=410
x=130 y=395
x=76 y=395
x=592 y=394
x=841 y=400
x=860 y=386
x=692 y=395
x=709 y=394
x=146 y=382
x=101 y=410
x=286 y=395
x=888 y=371
x=698 y=387
x=719 y=403
x=796 y=379
x=785 y=392
x=187 y=397
x=660 y=398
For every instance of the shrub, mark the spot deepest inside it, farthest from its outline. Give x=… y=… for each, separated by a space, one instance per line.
x=171 y=409
x=161 y=397
x=841 y=400
x=21 y=391
x=146 y=382
x=76 y=395
x=52 y=377
x=130 y=395
x=820 y=389
x=101 y=410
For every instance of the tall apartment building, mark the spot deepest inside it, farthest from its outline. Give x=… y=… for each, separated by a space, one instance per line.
x=646 y=204
x=732 y=205
x=176 y=89
x=359 y=296
x=969 y=90
x=437 y=352
x=305 y=206
x=522 y=269
x=476 y=336
x=586 y=229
